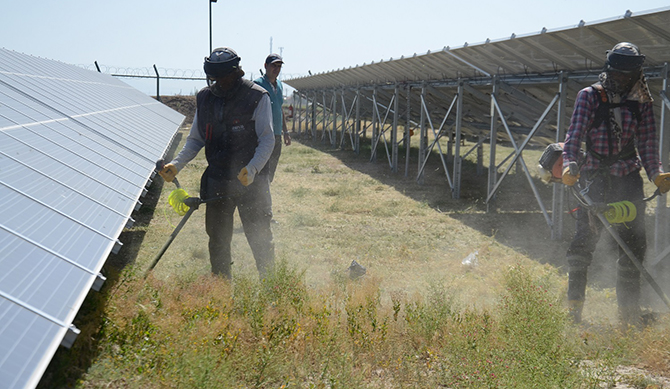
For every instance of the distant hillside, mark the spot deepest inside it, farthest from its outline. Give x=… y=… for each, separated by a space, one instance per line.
x=182 y=104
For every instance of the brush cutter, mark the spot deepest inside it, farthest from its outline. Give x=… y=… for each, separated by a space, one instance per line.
x=192 y=203
x=618 y=213
x=184 y=205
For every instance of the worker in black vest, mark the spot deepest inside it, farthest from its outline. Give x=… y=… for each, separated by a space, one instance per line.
x=615 y=117
x=233 y=121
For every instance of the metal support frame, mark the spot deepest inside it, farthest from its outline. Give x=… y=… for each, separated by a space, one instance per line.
x=313 y=122
x=438 y=134
x=493 y=140
x=379 y=131
x=408 y=134
x=383 y=103
x=324 y=118
x=558 y=195
x=375 y=115
x=394 y=130
x=357 y=123
x=661 y=245
x=458 y=161
x=349 y=128
x=494 y=184
x=333 y=110
x=423 y=136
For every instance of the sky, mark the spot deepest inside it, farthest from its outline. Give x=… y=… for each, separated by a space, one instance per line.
x=312 y=35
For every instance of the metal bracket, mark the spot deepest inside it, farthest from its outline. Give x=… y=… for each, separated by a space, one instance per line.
x=70 y=336
x=99 y=281
x=117 y=247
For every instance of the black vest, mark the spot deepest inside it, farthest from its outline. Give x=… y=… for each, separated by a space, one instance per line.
x=226 y=125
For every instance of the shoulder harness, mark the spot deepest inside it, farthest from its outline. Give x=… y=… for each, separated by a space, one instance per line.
x=602 y=115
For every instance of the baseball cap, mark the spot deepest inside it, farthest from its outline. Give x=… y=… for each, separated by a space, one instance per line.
x=272 y=58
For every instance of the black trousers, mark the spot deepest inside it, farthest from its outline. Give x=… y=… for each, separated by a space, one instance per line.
x=609 y=189
x=254 y=204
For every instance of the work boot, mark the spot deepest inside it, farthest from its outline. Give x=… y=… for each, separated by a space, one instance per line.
x=628 y=297
x=575 y=310
x=630 y=316
x=576 y=293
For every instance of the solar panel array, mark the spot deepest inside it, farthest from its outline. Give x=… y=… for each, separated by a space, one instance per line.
x=77 y=151
x=519 y=90
x=529 y=66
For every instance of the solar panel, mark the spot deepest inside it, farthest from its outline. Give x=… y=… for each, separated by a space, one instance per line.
x=77 y=150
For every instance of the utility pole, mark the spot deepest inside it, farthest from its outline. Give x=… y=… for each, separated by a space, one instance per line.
x=270 y=45
x=210 y=24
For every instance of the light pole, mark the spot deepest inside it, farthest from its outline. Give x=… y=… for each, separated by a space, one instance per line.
x=210 y=24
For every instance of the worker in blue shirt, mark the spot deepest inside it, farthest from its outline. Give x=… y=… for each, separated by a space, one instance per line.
x=270 y=82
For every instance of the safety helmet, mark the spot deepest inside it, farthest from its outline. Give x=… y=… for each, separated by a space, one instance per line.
x=624 y=57
x=221 y=62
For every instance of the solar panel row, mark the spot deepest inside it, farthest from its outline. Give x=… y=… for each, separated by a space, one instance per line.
x=77 y=150
x=517 y=90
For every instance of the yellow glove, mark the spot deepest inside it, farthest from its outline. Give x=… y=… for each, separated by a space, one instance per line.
x=245 y=177
x=168 y=172
x=662 y=181
x=568 y=178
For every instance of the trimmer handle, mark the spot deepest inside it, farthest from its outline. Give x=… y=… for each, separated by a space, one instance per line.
x=574 y=168
x=160 y=164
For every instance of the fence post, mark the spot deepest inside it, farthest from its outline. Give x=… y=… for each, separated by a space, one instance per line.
x=158 y=80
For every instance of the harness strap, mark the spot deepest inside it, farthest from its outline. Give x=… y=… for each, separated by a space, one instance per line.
x=602 y=115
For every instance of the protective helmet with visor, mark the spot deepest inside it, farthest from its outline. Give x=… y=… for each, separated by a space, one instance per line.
x=624 y=57
x=221 y=62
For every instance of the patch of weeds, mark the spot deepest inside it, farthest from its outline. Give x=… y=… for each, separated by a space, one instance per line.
x=285 y=287
x=364 y=325
x=640 y=381
x=300 y=192
x=333 y=192
x=337 y=207
x=385 y=211
x=305 y=220
x=533 y=327
x=425 y=318
x=302 y=150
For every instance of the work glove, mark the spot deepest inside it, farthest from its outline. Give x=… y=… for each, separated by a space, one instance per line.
x=246 y=177
x=662 y=181
x=168 y=172
x=568 y=178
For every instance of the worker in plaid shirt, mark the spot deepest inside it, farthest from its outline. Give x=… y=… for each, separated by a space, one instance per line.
x=616 y=120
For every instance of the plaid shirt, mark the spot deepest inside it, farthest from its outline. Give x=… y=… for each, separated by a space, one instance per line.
x=644 y=133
